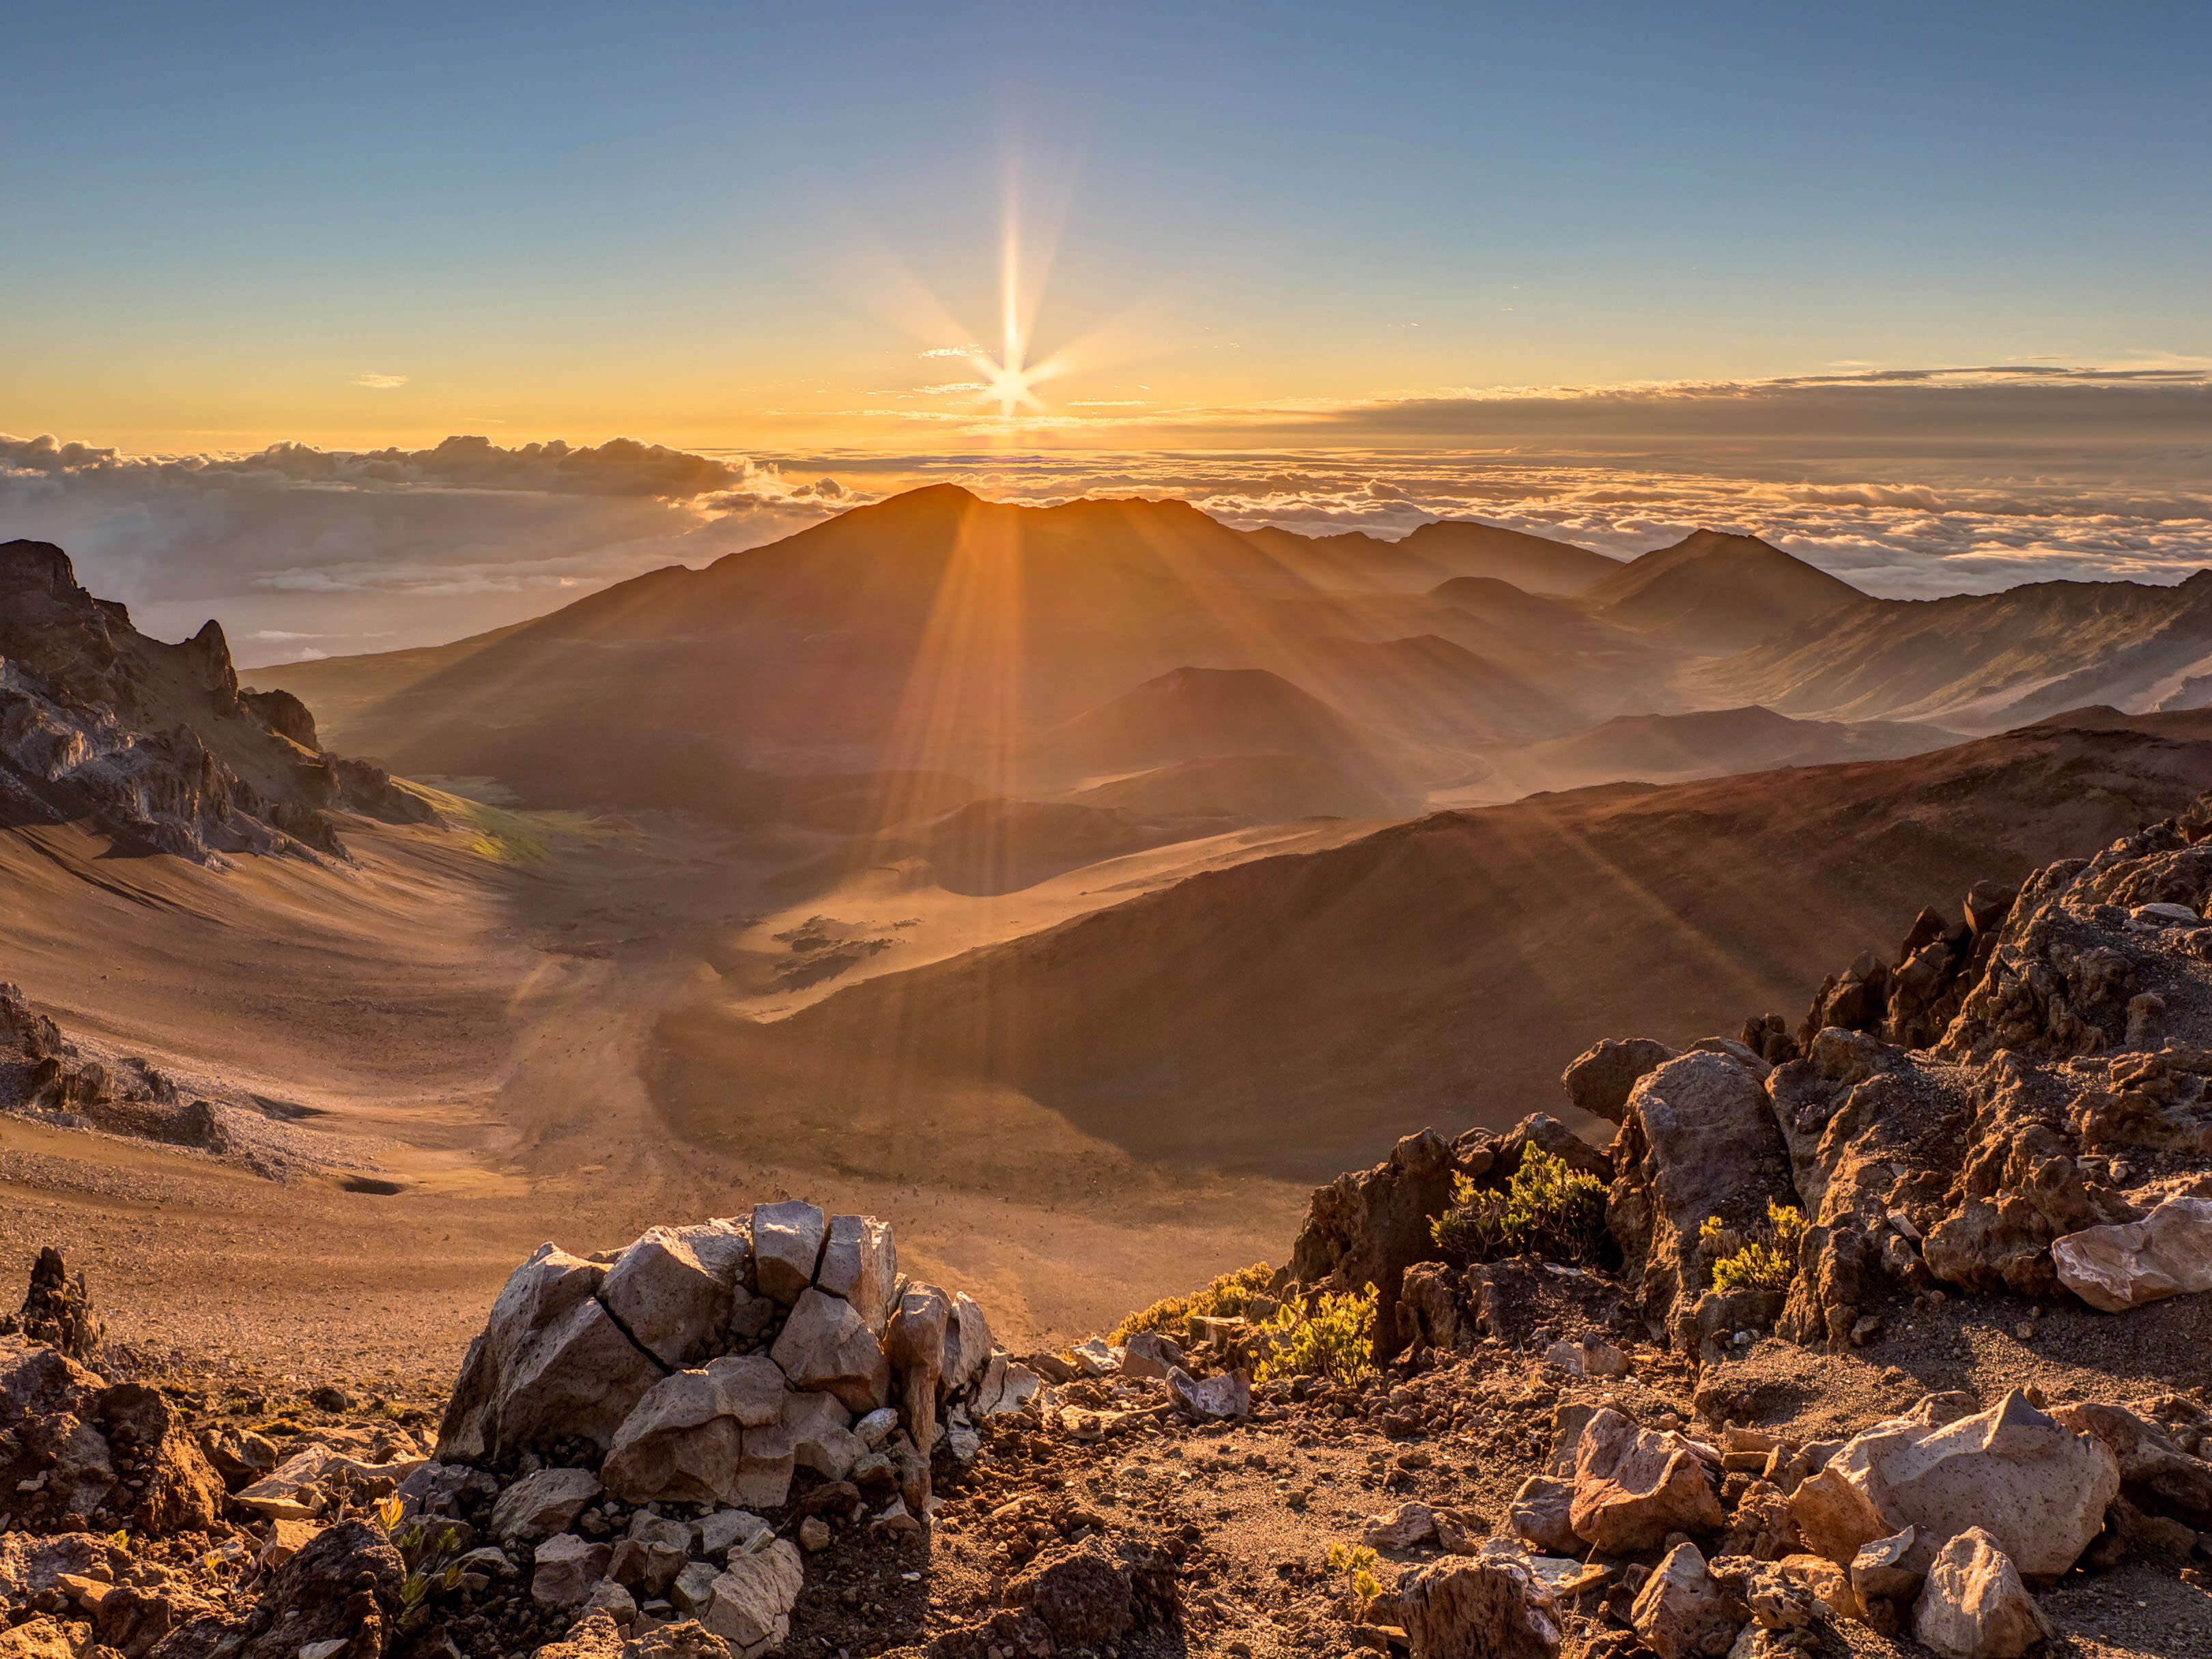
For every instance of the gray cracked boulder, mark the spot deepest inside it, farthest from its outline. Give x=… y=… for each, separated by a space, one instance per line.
x=826 y=1345
x=749 y=1604
x=540 y=1505
x=860 y=1263
x=684 y=1443
x=788 y=1241
x=550 y=1362
x=667 y=1299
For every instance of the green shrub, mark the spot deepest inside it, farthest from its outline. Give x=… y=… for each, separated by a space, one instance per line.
x=1226 y=1297
x=1549 y=1209
x=1765 y=1258
x=1356 y=1565
x=1335 y=1338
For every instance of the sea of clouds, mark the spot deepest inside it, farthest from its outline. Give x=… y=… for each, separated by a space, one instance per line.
x=1907 y=489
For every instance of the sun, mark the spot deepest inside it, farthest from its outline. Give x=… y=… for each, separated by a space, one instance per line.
x=1010 y=380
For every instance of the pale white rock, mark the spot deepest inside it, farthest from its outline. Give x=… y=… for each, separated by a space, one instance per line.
x=611 y=1599
x=788 y=1241
x=568 y=1567
x=2166 y=915
x=1404 y=1527
x=726 y=1530
x=1007 y=1386
x=683 y=1442
x=693 y=1592
x=1215 y=1399
x=2167 y=1253
x=668 y=1299
x=1093 y=1357
x=538 y=1506
x=724 y=1246
x=1974 y=1606
x=648 y=1529
x=965 y=1444
x=876 y=1427
x=2037 y=1487
x=860 y=1263
x=764 y=1468
x=752 y=1599
x=1879 y=1568
x=821 y=1439
x=826 y=1345
x=967 y=1344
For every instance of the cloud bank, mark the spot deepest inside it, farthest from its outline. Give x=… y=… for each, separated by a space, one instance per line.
x=1908 y=484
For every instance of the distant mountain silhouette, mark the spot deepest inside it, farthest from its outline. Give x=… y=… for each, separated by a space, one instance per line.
x=1436 y=552
x=1713 y=591
x=1982 y=660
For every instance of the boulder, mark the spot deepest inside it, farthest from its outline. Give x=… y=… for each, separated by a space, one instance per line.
x=1974 y=1606
x=343 y=1585
x=914 y=1342
x=860 y=1263
x=666 y=1298
x=2116 y=1267
x=2037 y=1487
x=1367 y=1228
x=568 y=1567
x=1212 y=1398
x=551 y=1363
x=1541 y=1514
x=38 y=1638
x=178 y=1489
x=31 y=1565
x=1600 y=1079
x=1684 y=1613
x=1634 y=1487
x=545 y=1502
x=967 y=1344
x=765 y=1465
x=1147 y=1355
x=1404 y=1527
x=826 y=1345
x=2156 y=1473
x=1881 y=1568
x=1006 y=1386
x=1698 y=1139
x=1492 y=1605
x=750 y=1603
x=727 y=1529
x=56 y=1472
x=1081 y=1593
x=788 y=1241
x=683 y=1442
x=1547 y=1134
x=821 y=1437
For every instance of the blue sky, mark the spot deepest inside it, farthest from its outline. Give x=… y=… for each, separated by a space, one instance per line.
x=727 y=223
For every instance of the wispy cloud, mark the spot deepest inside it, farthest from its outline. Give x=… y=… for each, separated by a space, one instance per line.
x=380 y=382
x=971 y=349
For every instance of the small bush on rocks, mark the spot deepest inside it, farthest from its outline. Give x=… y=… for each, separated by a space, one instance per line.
x=1550 y=1209
x=1226 y=1297
x=1358 y=1565
x=1764 y=1257
x=1335 y=1338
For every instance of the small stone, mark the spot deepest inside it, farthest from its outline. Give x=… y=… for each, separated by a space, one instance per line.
x=568 y=1567
x=1974 y=1606
x=814 y=1535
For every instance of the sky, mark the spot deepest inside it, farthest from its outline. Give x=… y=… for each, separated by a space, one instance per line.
x=1958 y=250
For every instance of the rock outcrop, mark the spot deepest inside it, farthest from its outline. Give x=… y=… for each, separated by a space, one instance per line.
x=156 y=744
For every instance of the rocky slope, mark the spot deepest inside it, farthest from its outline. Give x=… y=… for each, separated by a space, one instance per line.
x=1879 y=1334
x=156 y=743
